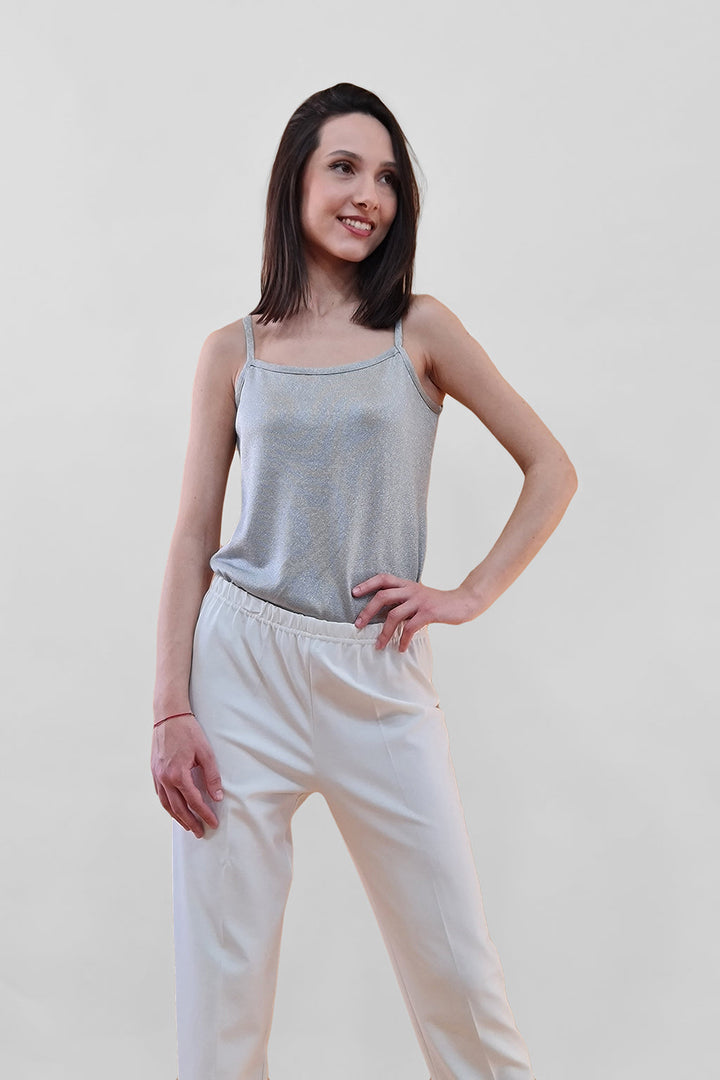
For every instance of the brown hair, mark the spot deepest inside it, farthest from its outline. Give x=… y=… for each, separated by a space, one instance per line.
x=384 y=278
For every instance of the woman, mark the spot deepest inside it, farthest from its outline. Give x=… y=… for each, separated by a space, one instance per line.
x=296 y=658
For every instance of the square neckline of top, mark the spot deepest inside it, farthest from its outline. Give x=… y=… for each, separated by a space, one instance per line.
x=316 y=369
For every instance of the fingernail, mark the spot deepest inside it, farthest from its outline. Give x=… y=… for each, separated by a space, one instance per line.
x=218 y=795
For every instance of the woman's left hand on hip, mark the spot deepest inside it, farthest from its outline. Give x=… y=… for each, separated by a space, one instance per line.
x=410 y=602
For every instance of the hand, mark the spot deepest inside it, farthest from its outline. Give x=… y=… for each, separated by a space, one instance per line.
x=414 y=603
x=179 y=749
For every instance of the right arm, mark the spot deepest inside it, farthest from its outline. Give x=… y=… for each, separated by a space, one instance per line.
x=180 y=744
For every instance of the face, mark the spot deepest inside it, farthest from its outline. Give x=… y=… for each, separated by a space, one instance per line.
x=349 y=175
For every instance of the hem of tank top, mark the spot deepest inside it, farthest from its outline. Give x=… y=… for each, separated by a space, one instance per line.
x=335 y=369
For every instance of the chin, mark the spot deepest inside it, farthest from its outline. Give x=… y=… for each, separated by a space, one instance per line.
x=348 y=256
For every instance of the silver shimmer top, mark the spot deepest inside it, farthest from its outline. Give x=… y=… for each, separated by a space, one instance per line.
x=335 y=469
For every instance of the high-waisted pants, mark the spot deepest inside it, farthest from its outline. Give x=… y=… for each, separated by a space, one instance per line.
x=291 y=705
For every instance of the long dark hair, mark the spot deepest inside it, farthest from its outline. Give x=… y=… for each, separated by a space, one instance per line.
x=384 y=278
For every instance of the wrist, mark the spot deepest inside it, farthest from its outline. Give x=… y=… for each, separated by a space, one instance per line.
x=475 y=596
x=163 y=707
x=172 y=716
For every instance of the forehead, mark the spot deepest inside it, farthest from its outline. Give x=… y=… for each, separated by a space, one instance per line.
x=358 y=132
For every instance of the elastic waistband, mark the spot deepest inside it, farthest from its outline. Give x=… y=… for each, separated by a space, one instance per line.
x=295 y=621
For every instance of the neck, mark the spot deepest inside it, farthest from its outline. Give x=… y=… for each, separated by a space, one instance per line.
x=332 y=287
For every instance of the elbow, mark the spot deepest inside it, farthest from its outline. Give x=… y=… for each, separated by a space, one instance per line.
x=559 y=467
x=559 y=472
x=570 y=479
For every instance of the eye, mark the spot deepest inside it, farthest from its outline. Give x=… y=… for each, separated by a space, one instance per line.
x=389 y=176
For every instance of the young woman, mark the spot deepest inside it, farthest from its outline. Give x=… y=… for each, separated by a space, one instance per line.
x=296 y=657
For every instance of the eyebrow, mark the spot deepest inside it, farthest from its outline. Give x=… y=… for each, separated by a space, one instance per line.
x=352 y=154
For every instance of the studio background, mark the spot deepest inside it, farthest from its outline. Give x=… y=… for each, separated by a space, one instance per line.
x=570 y=220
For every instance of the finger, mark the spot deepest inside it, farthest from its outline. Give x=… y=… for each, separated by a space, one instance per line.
x=380 y=600
x=193 y=797
x=377 y=581
x=183 y=815
x=211 y=773
x=393 y=620
x=166 y=803
x=409 y=630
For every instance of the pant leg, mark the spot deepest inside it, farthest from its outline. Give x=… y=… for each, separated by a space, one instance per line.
x=383 y=754
x=230 y=887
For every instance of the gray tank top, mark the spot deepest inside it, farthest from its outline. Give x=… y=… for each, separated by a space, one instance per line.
x=335 y=469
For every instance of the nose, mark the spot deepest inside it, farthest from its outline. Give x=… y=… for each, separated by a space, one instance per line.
x=366 y=194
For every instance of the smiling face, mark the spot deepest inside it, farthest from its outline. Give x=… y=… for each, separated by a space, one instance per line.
x=350 y=175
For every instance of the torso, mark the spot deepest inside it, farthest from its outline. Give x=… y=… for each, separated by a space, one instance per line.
x=343 y=340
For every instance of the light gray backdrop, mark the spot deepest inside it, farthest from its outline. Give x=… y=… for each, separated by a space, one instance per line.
x=570 y=221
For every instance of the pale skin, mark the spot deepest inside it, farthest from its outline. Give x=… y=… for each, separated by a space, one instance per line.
x=447 y=359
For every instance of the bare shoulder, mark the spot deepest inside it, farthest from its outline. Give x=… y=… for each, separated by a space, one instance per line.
x=434 y=323
x=225 y=352
x=418 y=339
x=451 y=352
x=434 y=328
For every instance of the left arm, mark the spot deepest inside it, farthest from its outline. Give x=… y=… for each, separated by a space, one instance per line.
x=459 y=366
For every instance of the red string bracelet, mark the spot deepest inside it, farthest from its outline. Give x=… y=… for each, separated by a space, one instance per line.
x=172 y=717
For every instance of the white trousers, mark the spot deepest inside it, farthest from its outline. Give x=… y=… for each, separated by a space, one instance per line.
x=291 y=705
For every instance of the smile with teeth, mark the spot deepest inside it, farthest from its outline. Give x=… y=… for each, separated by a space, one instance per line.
x=355 y=224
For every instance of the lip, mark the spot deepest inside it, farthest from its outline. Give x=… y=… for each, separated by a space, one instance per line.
x=358 y=232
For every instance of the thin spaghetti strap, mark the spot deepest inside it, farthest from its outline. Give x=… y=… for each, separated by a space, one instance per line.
x=398 y=333
x=249 y=338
